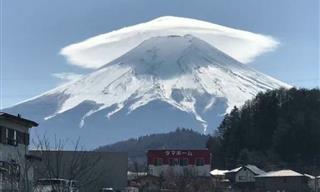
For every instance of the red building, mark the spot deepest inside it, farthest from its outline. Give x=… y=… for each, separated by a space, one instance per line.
x=176 y=161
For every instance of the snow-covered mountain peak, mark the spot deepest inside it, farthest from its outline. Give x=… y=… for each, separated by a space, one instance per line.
x=168 y=56
x=182 y=71
x=162 y=83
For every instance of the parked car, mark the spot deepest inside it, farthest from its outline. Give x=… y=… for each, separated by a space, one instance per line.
x=56 y=185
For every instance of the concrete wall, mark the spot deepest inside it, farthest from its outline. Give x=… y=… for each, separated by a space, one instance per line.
x=96 y=169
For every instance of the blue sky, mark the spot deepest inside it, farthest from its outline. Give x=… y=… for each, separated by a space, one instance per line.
x=33 y=32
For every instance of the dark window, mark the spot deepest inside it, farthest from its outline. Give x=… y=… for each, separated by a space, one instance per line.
x=22 y=138
x=158 y=162
x=184 y=162
x=173 y=162
x=1 y=134
x=199 y=162
x=11 y=136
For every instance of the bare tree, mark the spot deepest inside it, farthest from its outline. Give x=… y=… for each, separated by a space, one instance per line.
x=188 y=181
x=73 y=165
x=19 y=173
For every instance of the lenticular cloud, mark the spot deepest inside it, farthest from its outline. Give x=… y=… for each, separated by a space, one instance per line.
x=97 y=51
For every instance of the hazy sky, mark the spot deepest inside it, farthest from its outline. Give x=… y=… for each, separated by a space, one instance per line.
x=34 y=31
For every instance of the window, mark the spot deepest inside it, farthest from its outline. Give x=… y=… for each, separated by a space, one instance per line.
x=158 y=162
x=184 y=162
x=11 y=136
x=173 y=162
x=23 y=138
x=199 y=162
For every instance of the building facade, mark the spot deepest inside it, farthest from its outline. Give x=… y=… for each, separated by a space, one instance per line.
x=16 y=171
x=179 y=162
x=243 y=178
x=283 y=180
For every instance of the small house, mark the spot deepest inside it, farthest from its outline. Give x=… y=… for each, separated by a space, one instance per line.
x=243 y=178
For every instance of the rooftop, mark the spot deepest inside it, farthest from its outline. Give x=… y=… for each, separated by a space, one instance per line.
x=18 y=119
x=281 y=173
x=252 y=168
x=217 y=172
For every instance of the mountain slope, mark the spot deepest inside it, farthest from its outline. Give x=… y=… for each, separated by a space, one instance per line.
x=163 y=83
x=178 y=139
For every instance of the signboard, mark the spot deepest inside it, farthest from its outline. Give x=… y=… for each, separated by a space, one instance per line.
x=178 y=153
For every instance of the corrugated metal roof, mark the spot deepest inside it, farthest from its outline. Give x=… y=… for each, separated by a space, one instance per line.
x=281 y=173
x=255 y=169
x=309 y=176
x=252 y=168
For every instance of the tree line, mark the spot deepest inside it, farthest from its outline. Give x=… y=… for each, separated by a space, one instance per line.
x=277 y=129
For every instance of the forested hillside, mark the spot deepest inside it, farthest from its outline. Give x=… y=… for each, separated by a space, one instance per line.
x=179 y=139
x=277 y=129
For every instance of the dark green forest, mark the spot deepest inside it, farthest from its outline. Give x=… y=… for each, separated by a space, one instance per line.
x=277 y=129
x=179 y=139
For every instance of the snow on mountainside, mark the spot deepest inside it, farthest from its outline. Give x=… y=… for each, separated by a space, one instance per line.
x=163 y=83
x=94 y=52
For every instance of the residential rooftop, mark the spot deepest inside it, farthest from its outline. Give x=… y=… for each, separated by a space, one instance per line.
x=282 y=173
x=18 y=119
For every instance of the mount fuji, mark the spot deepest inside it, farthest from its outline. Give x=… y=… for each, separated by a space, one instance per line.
x=163 y=83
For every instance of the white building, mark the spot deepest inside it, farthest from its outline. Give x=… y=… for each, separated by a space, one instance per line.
x=15 y=161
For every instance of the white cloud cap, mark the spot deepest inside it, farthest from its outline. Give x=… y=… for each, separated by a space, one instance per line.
x=100 y=50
